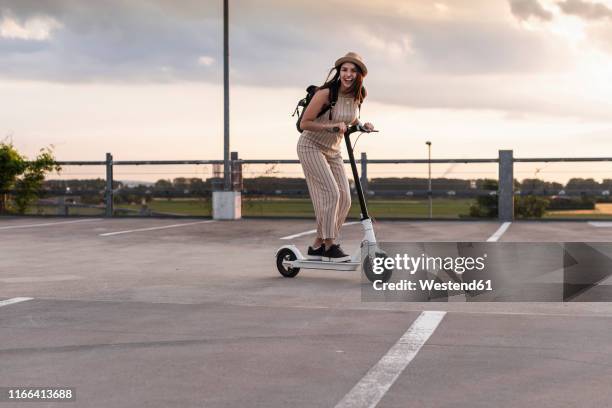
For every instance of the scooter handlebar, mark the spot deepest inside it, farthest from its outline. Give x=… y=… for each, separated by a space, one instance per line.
x=359 y=128
x=353 y=129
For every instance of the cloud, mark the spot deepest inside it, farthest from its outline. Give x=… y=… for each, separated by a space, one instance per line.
x=601 y=35
x=35 y=28
x=585 y=9
x=132 y=40
x=481 y=48
x=115 y=40
x=524 y=9
x=206 y=61
x=416 y=58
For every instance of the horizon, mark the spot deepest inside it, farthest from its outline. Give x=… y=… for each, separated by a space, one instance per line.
x=448 y=174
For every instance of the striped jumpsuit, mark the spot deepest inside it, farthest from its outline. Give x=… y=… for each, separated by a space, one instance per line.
x=320 y=156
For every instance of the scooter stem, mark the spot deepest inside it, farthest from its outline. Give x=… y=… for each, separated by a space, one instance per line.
x=349 y=149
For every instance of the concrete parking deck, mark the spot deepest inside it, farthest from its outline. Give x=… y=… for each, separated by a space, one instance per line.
x=192 y=313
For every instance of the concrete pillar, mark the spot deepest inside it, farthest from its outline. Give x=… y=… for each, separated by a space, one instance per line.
x=227 y=205
x=505 y=195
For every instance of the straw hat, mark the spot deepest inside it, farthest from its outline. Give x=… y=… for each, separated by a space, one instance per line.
x=355 y=59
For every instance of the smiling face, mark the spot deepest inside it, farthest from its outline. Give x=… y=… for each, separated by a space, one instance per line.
x=348 y=75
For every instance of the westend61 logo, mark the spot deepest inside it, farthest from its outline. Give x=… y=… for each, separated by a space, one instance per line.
x=459 y=264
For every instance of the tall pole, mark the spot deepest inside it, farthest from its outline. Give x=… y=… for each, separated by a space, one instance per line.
x=429 y=192
x=227 y=185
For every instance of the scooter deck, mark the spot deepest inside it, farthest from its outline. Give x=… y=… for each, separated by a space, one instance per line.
x=336 y=266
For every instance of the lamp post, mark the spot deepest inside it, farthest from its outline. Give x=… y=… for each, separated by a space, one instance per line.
x=429 y=192
x=227 y=204
x=226 y=136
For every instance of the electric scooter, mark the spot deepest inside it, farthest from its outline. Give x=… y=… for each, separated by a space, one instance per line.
x=289 y=259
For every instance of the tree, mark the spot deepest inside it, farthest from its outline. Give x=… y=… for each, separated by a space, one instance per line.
x=580 y=184
x=539 y=186
x=25 y=177
x=162 y=185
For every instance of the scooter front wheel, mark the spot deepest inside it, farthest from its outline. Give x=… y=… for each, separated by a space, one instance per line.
x=286 y=254
x=368 y=269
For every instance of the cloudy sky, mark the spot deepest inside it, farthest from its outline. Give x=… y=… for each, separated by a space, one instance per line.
x=143 y=78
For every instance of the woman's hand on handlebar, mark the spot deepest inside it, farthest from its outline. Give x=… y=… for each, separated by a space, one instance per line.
x=368 y=127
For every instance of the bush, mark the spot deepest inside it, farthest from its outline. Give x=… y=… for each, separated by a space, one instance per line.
x=568 y=203
x=530 y=206
x=486 y=206
x=25 y=177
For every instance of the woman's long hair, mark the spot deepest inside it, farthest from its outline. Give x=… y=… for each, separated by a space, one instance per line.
x=356 y=90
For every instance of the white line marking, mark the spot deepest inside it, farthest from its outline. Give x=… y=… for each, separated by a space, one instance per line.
x=108 y=234
x=372 y=387
x=600 y=224
x=49 y=223
x=34 y=279
x=499 y=232
x=13 y=300
x=314 y=231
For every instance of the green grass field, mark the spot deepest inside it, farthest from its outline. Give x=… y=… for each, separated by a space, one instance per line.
x=52 y=210
x=302 y=207
x=443 y=208
x=572 y=215
x=193 y=207
x=378 y=208
x=279 y=207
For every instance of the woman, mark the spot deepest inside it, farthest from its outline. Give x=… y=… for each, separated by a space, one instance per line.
x=319 y=152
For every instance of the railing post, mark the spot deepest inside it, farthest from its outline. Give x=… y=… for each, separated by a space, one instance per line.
x=505 y=194
x=108 y=193
x=62 y=208
x=236 y=172
x=364 y=173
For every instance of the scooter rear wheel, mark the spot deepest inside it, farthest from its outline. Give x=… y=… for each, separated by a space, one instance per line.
x=286 y=254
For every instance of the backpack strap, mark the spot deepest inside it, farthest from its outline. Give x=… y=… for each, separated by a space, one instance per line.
x=297 y=111
x=333 y=96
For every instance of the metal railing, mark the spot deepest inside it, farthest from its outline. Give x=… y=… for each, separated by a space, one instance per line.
x=505 y=192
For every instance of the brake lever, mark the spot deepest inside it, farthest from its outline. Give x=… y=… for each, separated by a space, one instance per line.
x=364 y=130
